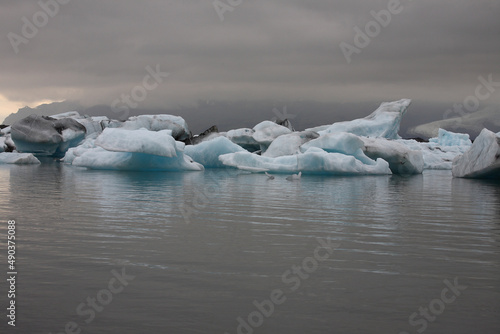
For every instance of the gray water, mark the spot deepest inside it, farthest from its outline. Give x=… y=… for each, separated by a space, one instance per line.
x=200 y=250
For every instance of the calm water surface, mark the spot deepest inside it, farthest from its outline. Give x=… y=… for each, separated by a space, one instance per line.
x=205 y=248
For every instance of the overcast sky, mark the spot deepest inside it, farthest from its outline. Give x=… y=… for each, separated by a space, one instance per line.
x=285 y=51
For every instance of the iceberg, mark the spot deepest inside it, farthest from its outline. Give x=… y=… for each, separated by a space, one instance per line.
x=289 y=144
x=482 y=160
x=344 y=143
x=439 y=152
x=383 y=122
x=18 y=158
x=176 y=124
x=401 y=159
x=244 y=138
x=207 y=152
x=137 y=150
x=447 y=138
x=267 y=131
x=312 y=161
x=159 y=143
x=46 y=136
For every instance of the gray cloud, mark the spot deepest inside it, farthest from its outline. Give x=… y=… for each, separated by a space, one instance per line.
x=282 y=50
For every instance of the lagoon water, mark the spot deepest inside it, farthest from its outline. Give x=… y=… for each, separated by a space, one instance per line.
x=201 y=249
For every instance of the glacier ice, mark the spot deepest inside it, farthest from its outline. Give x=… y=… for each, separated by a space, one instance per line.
x=46 y=136
x=312 y=161
x=159 y=143
x=341 y=142
x=244 y=138
x=401 y=159
x=482 y=160
x=160 y=122
x=447 y=138
x=139 y=150
x=207 y=152
x=439 y=152
x=18 y=158
x=383 y=122
x=289 y=144
x=369 y=145
x=267 y=131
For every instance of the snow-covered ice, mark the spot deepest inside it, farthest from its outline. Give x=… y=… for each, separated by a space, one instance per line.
x=18 y=158
x=482 y=160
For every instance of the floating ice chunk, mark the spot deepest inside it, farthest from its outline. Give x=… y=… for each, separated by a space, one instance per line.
x=313 y=161
x=74 y=152
x=345 y=143
x=46 y=136
x=439 y=152
x=447 y=138
x=267 y=131
x=482 y=160
x=140 y=150
x=244 y=138
x=207 y=152
x=383 y=122
x=177 y=124
x=139 y=141
x=99 y=158
x=18 y=158
x=401 y=159
x=289 y=144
